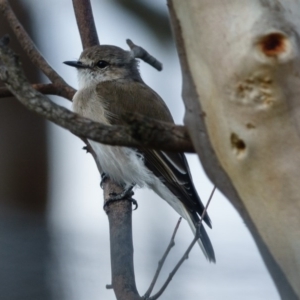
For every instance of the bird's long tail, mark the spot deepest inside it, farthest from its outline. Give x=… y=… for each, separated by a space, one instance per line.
x=203 y=241
x=191 y=217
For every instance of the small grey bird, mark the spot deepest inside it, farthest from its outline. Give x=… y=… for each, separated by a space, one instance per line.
x=109 y=86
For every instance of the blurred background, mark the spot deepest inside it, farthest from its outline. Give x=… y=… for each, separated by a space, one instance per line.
x=54 y=240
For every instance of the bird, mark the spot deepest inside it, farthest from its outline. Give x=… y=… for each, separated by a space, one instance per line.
x=109 y=85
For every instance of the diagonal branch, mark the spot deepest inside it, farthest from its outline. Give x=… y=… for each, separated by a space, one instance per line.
x=46 y=89
x=166 y=136
x=33 y=53
x=85 y=22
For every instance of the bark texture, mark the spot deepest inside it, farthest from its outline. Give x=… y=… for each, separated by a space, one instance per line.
x=240 y=65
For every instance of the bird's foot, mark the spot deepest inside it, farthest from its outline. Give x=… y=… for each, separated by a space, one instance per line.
x=125 y=195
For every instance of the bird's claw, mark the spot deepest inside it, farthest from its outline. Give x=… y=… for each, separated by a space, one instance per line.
x=125 y=195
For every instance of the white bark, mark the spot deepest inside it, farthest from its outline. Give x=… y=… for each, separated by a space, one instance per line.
x=244 y=60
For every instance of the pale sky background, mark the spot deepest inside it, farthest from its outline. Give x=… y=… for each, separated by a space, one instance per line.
x=81 y=261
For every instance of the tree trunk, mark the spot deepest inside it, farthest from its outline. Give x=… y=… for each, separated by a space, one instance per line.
x=240 y=64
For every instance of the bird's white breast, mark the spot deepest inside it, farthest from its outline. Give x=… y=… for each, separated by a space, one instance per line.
x=123 y=165
x=88 y=104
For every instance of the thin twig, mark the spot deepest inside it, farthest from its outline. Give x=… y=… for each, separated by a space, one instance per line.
x=46 y=89
x=139 y=52
x=162 y=261
x=85 y=23
x=171 y=275
x=33 y=53
x=208 y=202
x=186 y=253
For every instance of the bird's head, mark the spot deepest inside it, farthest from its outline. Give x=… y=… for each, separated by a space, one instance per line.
x=105 y=63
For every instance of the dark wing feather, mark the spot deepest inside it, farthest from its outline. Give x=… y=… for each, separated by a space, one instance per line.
x=176 y=177
x=171 y=168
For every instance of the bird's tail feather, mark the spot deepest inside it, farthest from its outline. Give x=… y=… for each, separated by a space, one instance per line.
x=203 y=241
x=192 y=218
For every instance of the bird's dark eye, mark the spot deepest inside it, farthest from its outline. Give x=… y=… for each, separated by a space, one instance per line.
x=102 y=64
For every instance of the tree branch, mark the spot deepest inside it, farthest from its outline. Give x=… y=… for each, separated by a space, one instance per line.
x=46 y=89
x=85 y=22
x=121 y=245
x=139 y=52
x=33 y=53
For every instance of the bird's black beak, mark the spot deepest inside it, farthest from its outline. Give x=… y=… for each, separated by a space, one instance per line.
x=76 y=64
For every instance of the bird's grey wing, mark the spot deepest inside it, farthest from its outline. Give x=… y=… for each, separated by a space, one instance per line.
x=171 y=168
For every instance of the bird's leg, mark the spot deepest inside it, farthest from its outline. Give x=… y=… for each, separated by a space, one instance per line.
x=125 y=195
